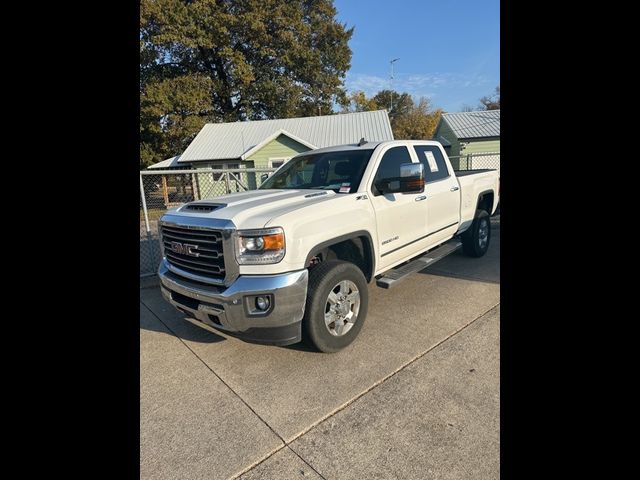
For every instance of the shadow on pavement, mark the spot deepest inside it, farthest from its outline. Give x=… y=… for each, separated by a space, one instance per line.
x=485 y=269
x=301 y=347
x=182 y=329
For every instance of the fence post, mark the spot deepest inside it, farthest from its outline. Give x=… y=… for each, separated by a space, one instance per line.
x=146 y=223
x=165 y=191
x=195 y=186
x=226 y=181
x=144 y=205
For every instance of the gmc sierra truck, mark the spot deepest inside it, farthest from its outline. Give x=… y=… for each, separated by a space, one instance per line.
x=292 y=260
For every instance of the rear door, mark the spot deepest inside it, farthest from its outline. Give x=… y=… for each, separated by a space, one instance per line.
x=442 y=191
x=401 y=218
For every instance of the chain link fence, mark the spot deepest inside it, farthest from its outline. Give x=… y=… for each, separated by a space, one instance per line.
x=162 y=190
x=475 y=161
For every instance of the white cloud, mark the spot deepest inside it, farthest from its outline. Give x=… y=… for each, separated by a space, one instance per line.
x=370 y=84
x=413 y=83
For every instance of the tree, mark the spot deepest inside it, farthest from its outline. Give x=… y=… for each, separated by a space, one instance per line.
x=408 y=120
x=231 y=60
x=419 y=123
x=491 y=102
x=402 y=102
x=358 y=102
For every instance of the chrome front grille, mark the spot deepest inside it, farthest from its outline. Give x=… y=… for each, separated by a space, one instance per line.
x=197 y=251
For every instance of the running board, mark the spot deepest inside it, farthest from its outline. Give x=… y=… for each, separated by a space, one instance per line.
x=395 y=276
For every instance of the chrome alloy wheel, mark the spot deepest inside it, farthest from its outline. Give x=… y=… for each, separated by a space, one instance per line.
x=342 y=307
x=483 y=233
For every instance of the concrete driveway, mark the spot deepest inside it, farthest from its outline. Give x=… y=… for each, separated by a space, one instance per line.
x=417 y=395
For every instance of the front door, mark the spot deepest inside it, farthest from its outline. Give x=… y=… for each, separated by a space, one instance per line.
x=401 y=218
x=443 y=194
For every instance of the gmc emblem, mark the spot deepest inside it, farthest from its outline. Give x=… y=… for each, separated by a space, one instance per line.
x=185 y=248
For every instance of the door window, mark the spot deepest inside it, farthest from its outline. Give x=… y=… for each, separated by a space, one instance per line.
x=435 y=166
x=389 y=167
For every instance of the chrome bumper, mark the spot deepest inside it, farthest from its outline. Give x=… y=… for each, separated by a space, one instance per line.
x=230 y=310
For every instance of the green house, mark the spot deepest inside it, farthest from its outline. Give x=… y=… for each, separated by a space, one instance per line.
x=467 y=133
x=271 y=143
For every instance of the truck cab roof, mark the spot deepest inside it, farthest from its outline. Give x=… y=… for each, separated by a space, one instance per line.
x=369 y=145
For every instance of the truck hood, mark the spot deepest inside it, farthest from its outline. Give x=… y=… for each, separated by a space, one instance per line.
x=255 y=208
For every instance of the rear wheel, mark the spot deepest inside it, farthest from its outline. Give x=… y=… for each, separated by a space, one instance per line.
x=337 y=301
x=475 y=241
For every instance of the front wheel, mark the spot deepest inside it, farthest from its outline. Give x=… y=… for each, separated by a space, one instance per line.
x=475 y=241
x=337 y=302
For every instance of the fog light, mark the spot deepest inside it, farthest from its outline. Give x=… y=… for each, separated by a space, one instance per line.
x=262 y=303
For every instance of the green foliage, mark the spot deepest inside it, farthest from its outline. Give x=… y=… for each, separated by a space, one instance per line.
x=419 y=123
x=402 y=102
x=358 y=102
x=229 y=60
x=408 y=120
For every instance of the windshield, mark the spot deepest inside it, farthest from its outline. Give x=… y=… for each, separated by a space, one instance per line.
x=340 y=171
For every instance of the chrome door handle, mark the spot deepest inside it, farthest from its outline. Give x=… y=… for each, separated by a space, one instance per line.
x=454 y=189
x=420 y=198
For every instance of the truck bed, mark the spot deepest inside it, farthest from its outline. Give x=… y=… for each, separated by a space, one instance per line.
x=464 y=173
x=473 y=185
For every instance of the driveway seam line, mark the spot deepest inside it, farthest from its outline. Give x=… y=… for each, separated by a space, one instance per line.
x=357 y=397
x=284 y=444
x=257 y=463
x=305 y=462
x=387 y=377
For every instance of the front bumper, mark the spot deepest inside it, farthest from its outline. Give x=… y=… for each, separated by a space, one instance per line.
x=229 y=310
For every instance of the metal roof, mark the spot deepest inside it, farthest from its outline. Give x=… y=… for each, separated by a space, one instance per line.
x=485 y=123
x=217 y=141
x=169 y=162
x=346 y=147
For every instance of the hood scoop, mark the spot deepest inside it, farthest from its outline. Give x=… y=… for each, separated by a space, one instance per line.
x=202 y=207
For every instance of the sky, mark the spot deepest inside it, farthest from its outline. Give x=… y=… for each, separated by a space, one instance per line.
x=448 y=50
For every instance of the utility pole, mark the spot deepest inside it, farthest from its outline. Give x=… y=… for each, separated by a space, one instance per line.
x=392 y=62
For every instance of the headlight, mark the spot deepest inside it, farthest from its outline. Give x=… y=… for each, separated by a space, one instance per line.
x=260 y=246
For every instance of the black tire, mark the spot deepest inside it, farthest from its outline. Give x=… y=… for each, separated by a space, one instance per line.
x=322 y=279
x=471 y=244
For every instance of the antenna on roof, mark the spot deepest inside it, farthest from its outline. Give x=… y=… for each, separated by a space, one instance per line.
x=362 y=142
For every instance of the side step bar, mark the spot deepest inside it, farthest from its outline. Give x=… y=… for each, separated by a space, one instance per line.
x=395 y=276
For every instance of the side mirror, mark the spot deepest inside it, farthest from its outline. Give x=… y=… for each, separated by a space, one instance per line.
x=263 y=177
x=411 y=180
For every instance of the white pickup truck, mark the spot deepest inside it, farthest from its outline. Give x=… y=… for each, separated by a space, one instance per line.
x=292 y=260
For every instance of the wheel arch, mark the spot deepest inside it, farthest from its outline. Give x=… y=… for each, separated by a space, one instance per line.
x=486 y=199
x=363 y=241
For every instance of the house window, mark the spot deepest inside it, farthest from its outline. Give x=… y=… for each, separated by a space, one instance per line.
x=278 y=162
x=222 y=166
